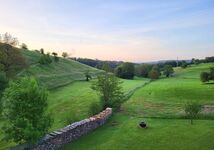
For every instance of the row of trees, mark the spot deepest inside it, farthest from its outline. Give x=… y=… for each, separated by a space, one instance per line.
x=129 y=70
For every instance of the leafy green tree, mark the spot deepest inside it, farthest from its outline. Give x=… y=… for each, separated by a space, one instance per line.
x=143 y=70
x=24 y=111
x=184 y=64
x=109 y=88
x=42 y=51
x=154 y=73
x=125 y=70
x=11 y=59
x=168 y=70
x=192 y=109
x=3 y=85
x=204 y=76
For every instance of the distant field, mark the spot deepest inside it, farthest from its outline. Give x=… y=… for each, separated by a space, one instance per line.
x=154 y=103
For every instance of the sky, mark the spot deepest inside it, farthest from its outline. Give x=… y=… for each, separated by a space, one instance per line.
x=127 y=30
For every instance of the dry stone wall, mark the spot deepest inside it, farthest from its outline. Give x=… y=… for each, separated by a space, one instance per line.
x=61 y=137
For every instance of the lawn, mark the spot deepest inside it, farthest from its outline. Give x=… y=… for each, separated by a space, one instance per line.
x=162 y=134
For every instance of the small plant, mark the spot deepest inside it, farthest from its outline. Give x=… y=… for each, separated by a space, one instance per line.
x=95 y=108
x=192 y=109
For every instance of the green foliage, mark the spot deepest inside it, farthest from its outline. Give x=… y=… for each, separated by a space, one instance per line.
x=168 y=70
x=204 y=76
x=42 y=51
x=184 y=64
x=24 y=107
x=207 y=76
x=95 y=108
x=45 y=59
x=11 y=59
x=192 y=109
x=125 y=70
x=87 y=76
x=154 y=73
x=109 y=88
x=143 y=70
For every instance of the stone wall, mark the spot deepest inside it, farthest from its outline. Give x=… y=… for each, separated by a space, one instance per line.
x=72 y=132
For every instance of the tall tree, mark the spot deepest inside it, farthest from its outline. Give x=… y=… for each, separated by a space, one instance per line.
x=125 y=70
x=109 y=88
x=168 y=70
x=24 y=111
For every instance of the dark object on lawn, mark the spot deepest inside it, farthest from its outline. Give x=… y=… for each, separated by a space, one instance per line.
x=142 y=124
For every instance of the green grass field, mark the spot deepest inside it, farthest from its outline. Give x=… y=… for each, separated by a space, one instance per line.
x=55 y=74
x=160 y=104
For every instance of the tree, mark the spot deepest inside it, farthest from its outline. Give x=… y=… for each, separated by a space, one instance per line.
x=192 y=109
x=168 y=70
x=56 y=58
x=8 y=39
x=42 y=51
x=87 y=76
x=125 y=70
x=3 y=85
x=154 y=73
x=143 y=70
x=204 y=76
x=184 y=64
x=64 y=54
x=11 y=59
x=109 y=88
x=24 y=111
x=24 y=46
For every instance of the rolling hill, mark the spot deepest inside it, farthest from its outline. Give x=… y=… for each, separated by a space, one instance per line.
x=55 y=74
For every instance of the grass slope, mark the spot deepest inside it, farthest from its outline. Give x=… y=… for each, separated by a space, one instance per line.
x=163 y=98
x=55 y=74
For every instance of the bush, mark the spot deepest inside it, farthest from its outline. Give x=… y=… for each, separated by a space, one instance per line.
x=204 y=76
x=192 y=109
x=24 y=111
x=168 y=70
x=45 y=59
x=95 y=108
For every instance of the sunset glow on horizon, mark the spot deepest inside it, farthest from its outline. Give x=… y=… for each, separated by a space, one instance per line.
x=123 y=30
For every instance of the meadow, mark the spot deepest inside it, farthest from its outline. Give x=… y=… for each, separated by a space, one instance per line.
x=160 y=104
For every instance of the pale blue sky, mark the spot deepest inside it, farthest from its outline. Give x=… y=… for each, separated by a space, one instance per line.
x=128 y=30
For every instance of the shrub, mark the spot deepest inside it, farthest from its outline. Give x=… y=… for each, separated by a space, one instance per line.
x=24 y=46
x=204 y=76
x=64 y=54
x=24 y=111
x=56 y=58
x=168 y=70
x=95 y=108
x=45 y=59
x=192 y=109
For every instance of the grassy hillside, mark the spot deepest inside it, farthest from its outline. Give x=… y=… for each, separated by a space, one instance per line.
x=155 y=103
x=55 y=74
